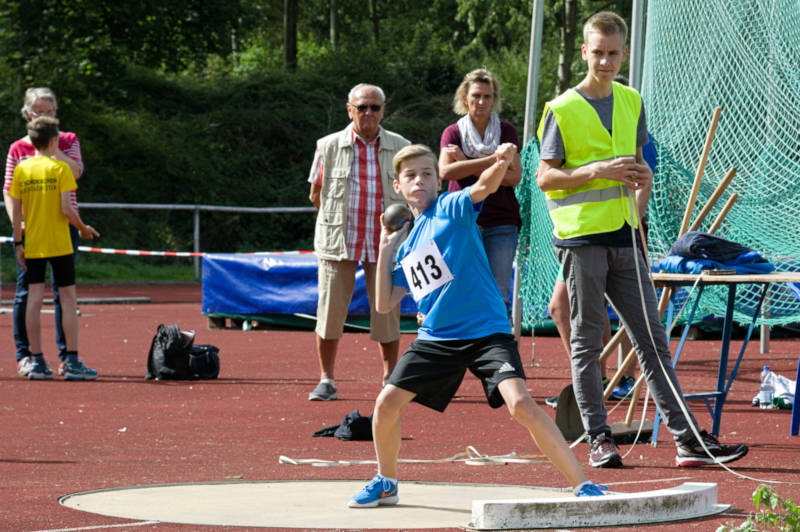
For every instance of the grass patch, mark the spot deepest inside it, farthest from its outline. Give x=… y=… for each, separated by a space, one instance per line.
x=97 y=268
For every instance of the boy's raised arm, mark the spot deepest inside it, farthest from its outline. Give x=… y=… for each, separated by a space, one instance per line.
x=491 y=178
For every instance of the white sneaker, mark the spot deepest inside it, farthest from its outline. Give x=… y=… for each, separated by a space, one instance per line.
x=24 y=366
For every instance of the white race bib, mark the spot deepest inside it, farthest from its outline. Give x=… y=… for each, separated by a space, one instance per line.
x=425 y=270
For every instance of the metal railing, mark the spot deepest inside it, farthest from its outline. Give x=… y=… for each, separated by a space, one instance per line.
x=196 y=209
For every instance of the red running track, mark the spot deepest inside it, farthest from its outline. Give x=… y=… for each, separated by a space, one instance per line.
x=63 y=437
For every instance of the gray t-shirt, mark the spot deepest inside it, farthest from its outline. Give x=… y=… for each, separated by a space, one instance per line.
x=552 y=147
x=553 y=144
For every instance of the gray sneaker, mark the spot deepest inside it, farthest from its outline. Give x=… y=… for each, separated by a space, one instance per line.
x=323 y=392
x=603 y=452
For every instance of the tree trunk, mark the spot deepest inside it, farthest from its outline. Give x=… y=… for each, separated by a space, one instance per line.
x=567 y=45
x=334 y=29
x=290 y=35
x=373 y=17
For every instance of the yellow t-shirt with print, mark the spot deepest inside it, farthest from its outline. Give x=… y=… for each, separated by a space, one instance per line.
x=39 y=182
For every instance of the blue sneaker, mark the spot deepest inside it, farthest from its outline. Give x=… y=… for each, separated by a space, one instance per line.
x=380 y=490
x=587 y=489
x=39 y=371
x=623 y=388
x=77 y=371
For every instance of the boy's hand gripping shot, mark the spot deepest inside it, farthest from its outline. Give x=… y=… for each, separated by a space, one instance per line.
x=442 y=262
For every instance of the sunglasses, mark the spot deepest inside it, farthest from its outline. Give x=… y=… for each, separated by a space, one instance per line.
x=363 y=108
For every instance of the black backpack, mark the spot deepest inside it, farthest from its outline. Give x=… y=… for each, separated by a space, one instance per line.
x=173 y=356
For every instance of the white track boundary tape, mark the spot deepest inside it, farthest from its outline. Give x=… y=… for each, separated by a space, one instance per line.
x=99 y=527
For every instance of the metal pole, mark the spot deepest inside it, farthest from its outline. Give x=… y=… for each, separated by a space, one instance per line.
x=196 y=242
x=763 y=338
x=534 y=57
x=637 y=49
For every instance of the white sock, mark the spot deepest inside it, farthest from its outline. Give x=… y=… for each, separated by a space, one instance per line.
x=327 y=381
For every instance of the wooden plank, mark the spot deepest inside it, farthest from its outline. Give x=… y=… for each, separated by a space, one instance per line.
x=710 y=278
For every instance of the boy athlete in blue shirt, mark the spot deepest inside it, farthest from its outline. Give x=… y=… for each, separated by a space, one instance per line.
x=443 y=264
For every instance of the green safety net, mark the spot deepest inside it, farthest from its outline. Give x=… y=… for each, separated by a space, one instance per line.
x=744 y=57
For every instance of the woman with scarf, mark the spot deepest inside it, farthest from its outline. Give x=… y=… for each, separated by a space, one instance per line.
x=466 y=150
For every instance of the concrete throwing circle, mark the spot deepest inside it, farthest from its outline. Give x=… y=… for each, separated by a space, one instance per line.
x=297 y=504
x=322 y=504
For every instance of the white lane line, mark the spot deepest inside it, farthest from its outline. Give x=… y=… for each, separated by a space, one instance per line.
x=98 y=527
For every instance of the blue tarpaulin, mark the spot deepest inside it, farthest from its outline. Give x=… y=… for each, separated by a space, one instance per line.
x=272 y=283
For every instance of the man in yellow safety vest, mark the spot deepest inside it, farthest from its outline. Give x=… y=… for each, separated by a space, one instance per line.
x=593 y=175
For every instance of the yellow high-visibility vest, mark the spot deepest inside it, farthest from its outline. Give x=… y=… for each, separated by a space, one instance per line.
x=601 y=205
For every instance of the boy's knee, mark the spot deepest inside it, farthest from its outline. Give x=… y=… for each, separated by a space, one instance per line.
x=521 y=407
x=388 y=403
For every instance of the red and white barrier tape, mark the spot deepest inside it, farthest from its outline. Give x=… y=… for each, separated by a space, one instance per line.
x=141 y=253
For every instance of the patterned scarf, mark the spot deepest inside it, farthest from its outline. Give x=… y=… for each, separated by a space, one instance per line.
x=472 y=144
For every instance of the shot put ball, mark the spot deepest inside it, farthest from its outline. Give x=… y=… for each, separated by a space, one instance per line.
x=396 y=215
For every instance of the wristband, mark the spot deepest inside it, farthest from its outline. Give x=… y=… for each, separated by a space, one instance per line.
x=17 y=243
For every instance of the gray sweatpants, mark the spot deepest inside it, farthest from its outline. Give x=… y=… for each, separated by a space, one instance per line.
x=590 y=272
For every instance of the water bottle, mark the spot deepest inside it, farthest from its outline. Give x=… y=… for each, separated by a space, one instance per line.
x=766 y=390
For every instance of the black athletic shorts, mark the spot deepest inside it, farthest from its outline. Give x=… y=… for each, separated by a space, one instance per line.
x=434 y=370
x=63 y=269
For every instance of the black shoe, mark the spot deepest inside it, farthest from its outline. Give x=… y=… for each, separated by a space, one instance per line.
x=692 y=454
x=604 y=452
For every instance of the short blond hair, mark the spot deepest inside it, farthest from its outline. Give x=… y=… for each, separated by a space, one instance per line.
x=412 y=152
x=480 y=75
x=605 y=23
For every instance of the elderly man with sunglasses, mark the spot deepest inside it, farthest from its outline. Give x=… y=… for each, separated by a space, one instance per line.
x=351 y=185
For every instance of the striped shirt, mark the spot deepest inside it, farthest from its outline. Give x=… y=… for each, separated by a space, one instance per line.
x=364 y=199
x=21 y=150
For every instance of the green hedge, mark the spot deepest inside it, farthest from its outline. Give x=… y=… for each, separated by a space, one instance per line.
x=243 y=139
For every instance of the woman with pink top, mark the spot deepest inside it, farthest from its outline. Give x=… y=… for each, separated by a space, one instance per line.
x=40 y=101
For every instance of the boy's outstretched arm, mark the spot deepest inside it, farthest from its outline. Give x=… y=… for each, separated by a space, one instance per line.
x=491 y=178
x=388 y=295
x=86 y=231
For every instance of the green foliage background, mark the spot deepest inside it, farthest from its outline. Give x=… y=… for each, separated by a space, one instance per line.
x=188 y=102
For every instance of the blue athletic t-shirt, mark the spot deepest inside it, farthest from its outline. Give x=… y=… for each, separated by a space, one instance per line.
x=467 y=306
